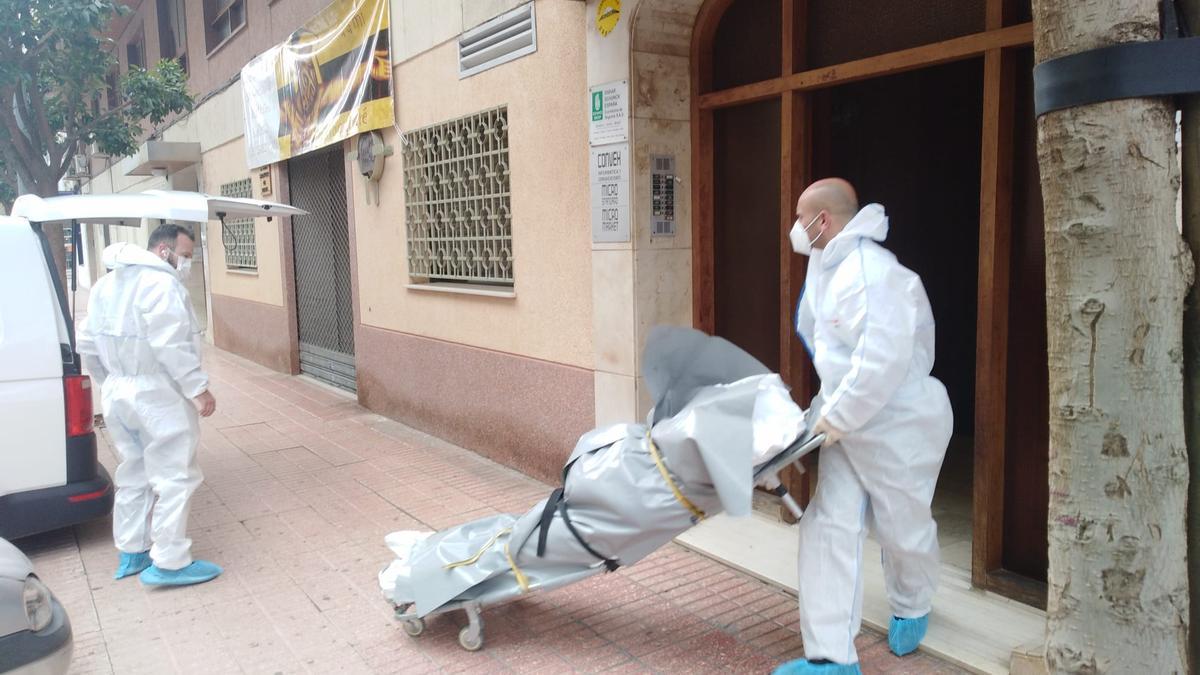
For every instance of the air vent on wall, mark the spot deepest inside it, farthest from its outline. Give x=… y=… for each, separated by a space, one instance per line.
x=507 y=37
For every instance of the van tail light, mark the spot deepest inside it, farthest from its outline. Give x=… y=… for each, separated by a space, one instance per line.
x=79 y=405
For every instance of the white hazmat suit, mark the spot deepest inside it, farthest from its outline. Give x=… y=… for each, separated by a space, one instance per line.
x=139 y=341
x=868 y=325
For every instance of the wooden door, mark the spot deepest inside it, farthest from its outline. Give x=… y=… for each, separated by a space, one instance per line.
x=981 y=251
x=746 y=241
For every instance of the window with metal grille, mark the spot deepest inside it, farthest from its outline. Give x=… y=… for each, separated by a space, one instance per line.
x=457 y=201
x=241 y=249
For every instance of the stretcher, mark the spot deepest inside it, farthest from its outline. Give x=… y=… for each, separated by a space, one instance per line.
x=722 y=423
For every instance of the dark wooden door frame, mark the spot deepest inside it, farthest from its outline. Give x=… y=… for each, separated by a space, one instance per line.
x=996 y=45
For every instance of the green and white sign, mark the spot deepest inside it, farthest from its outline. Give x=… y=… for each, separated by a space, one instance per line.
x=609 y=119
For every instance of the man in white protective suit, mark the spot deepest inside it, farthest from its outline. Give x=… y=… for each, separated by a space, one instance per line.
x=867 y=323
x=140 y=343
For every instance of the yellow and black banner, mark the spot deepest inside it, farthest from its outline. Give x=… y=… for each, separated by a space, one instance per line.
x=328 y=81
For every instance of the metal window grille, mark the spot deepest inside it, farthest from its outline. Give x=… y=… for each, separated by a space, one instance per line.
x=457 y=210
x=241 y=248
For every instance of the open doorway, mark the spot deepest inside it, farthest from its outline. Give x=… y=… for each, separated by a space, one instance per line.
x=927 y=108
x=911 y=143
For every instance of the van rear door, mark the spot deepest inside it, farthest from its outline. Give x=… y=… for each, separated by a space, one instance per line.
x=33 y=343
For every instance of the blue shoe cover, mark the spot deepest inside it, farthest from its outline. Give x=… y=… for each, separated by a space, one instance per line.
x=198 y=572
x=905 y=635
x=131 y=564
x=803 y=667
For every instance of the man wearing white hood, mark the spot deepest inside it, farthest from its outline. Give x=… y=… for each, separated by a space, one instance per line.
x=868 y=326
x=139 y=342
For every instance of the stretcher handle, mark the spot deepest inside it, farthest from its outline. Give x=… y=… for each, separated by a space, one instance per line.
x=768 y=474
x=790 y=454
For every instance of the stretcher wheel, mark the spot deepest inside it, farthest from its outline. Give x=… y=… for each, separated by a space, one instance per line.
x=470 y=640
x=414 y=627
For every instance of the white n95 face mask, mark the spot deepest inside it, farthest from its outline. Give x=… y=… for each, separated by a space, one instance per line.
x=185 y=268
x=801 y=242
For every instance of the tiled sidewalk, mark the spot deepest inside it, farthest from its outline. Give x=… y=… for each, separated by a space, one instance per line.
x=301 y=487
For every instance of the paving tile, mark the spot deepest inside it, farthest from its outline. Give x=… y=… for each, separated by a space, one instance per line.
x=301 y=487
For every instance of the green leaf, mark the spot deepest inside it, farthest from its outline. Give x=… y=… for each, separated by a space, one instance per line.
x=60 y=49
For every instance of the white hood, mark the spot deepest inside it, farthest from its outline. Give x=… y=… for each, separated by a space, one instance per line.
x=871 y=222
x=125 y=254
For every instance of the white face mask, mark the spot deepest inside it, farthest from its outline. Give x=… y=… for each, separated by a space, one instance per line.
x=184 y=266
x=801 y=242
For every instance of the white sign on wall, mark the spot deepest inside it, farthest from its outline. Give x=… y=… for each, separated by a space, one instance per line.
x=608 y=112
x=610 y=192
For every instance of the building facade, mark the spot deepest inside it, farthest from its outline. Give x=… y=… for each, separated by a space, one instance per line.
x=495 y=285
x=500 y=363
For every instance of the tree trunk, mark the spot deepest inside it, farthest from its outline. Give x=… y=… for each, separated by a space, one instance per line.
x=1117 y=272
x=1191 y=331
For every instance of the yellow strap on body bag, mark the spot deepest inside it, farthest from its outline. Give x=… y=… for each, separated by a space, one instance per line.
x=522 y=580
x=697 y=512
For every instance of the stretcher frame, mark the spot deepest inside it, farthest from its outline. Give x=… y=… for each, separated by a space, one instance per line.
x=470 y=637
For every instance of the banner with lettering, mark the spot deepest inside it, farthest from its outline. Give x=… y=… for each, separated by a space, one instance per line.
x=330 y=80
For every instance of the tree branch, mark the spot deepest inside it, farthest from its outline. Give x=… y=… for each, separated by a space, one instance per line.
x=81 y=132
x=22 y=56
x=69 y=149
x=64 y=162
x=73 y=111
x=8 y=173
x=43 y=124
x=26 y=115
x=27 y=154
x=41 y=44
x=12 y=160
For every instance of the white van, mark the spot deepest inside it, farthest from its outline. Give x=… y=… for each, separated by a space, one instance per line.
x=49 y=473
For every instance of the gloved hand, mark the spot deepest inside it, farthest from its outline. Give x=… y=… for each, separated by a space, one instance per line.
x=832 y=435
